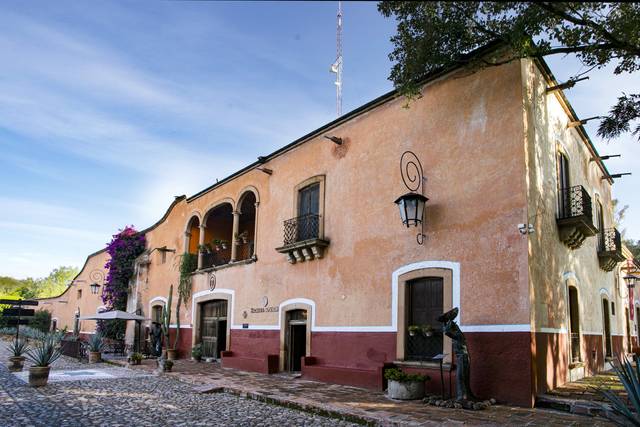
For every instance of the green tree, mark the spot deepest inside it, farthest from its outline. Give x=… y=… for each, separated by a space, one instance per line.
x=56 y=282
x=634 y=247
x=434 y=36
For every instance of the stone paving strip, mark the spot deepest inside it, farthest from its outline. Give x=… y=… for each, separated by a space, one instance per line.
x=132 y=398
x=355 y=404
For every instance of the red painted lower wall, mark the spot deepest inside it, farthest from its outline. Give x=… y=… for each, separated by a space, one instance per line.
x=184 y=342
x=501 y=363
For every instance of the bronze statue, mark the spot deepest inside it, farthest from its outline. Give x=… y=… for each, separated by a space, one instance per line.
x=156 y=339
x=451 y=329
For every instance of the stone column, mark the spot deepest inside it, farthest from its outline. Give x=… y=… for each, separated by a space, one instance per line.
x=201 y=242
x=236 y=225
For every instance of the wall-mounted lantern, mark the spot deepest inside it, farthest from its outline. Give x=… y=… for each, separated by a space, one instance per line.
x=94 y=288
x=412 y=204
x=411 y=208
x=630 y=280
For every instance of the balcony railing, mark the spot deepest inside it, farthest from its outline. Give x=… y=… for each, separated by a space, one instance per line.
x=303 y=239
x=609 y=249
x=301 y=228
x=214 y=259
x=575 y=216
x=575 y=347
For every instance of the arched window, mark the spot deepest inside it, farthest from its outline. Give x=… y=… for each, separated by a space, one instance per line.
x=564 y=205
x=218 y=236
x=193 y=235
x=245 y=238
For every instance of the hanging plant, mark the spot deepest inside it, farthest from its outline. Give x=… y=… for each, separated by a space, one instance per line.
x=123 y=249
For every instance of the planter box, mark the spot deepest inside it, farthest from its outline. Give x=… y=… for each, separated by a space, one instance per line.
x=410 y=390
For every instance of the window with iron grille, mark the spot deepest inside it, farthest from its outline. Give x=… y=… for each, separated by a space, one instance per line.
x=425 y=304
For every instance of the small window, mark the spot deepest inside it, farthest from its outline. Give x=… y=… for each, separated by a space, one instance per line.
x=79 y=293
x=163 y=257
x=562 y=164
x=613 y=308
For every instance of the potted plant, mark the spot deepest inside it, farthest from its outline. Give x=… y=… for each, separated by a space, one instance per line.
x=165 y=365
x=135 y=358
x=18 y=347
x=196 y=352
x=205 y=248
x=427 y=330
x=404 y=386
x=242 y=237
x=413 y=330
x=95 y=345
x=42 y=355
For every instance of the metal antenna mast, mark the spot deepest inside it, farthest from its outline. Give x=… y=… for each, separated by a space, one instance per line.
x=336 y=67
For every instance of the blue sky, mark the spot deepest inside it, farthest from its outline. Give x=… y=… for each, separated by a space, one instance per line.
x=109 y=109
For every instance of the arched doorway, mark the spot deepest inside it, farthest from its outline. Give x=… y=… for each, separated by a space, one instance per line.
x=245 y=238
x=218 y=236
x=295 y=339
x=213 y=327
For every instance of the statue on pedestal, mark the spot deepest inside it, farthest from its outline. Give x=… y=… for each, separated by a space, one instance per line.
x=451 y=329
x=156 y=339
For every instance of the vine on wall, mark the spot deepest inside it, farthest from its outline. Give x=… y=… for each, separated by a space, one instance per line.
x=124 y=248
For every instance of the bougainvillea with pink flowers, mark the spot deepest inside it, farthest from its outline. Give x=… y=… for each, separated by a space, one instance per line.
x=124 y=248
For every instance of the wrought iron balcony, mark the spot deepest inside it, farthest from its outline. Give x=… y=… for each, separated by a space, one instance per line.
x=303 y=240
x=575 y=216
x=609 y=249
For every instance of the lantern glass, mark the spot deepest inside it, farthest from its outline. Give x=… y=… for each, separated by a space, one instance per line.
x=94 y=288
x=630 y=280
x=411 y=207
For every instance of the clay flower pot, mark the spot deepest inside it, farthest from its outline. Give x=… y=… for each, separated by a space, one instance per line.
x=38 y=376
x=95 y=357
x=17 y=363
x=172 y=354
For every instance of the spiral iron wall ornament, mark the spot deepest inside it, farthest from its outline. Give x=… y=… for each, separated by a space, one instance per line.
x=411 y=171
x=97 y=276
x=413 y=178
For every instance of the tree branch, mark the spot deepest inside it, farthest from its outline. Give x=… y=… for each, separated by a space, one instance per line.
x=591 y=24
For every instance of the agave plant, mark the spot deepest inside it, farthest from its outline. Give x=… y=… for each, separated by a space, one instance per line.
x=629 y=376
x=44 y=352
x=96 y=343
x=18 y=347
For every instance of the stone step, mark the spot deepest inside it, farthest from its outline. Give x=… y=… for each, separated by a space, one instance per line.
x=574 y=406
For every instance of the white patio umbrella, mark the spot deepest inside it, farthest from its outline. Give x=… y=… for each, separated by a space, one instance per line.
x=113 y=315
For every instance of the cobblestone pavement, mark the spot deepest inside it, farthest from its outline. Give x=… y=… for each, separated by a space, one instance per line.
x=370 y=406
x=134 y=399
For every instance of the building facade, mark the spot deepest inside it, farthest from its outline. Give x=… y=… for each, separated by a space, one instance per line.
x=304 y=264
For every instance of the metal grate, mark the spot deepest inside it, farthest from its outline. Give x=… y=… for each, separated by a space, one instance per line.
x=301 y=228
x=421 y=347
x=609 y=241
x=575 y=201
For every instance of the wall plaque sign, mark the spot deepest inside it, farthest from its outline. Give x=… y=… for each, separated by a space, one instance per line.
x=265 y=309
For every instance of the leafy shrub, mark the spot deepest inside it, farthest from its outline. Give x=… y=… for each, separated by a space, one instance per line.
x=196 y=351
x=41 y=321
x=136 y=357
x=395 y=374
